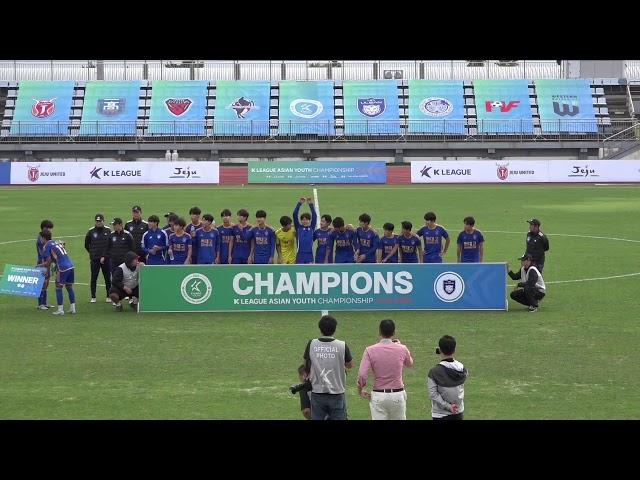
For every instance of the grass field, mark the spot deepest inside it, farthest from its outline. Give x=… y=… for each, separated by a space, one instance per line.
x=576 y=358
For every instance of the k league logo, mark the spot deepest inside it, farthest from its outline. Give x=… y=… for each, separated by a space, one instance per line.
x=449 y=287
x=196 y=288
x=306 y=108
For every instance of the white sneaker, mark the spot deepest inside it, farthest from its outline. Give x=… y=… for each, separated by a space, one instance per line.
x=107 y=300
x=93 y=300
x=73 y=312
x=43 y=307
x=58 y=312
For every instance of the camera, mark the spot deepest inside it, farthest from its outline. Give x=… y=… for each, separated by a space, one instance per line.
x=437 y=351
x=306 y=385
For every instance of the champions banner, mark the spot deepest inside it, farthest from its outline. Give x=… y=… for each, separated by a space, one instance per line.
x=178 y=107
x=306 y=108
x=242 y=288
x=317 y=172
x=22 y=281
x=566 y=106
x=371 y=107
x=502 y=106
x=110 y=108
x=242 y=108
x=436 y=106
x=42 y=108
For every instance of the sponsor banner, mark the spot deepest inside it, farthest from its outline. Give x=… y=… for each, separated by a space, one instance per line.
x=22 y=281
x=479 y=171
x=241 y=288
x=5 y=173
x=503 y=106
x=436 y=106
x=594 y=171
x=306 y=108
x=116 y=173
x=317 y=172
x=42 y=108
x=566 y=106
x=242 y=108
x=110 y=108
x=178 y=108
x=371 y=107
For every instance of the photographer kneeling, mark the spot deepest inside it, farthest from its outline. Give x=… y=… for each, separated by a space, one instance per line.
x=124 y=281
x=531 y=288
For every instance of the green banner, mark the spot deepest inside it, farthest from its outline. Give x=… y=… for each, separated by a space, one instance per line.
x=314 y=287
x=22 y=281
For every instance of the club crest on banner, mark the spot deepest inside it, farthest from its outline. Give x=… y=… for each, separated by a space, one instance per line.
x=178 y=106
x=306 y=108
x=372 y=107
x=43 y=108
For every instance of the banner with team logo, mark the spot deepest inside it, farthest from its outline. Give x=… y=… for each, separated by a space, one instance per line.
x=503 y=106
x=178 y=108
x=42 y=108
x=22 y=281
x=371 y=107
x=242 y=288
x=566 y=106
x=306 y=108
x=317 y=172
x=242 y=108
x=110 y=108
x=114 y=173
x=436 y=106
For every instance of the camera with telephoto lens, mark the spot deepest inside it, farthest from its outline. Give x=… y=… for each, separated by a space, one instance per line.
x=306 y=385
x=437 y=351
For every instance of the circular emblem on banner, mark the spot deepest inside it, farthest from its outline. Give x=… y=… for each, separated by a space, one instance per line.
x=196 y=288
x=449 y=287
x=436 y=107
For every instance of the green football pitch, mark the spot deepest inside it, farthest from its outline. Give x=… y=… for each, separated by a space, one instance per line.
x=576 y=358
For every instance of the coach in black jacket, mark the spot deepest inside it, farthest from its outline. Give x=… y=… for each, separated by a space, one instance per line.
x=95 y=243
x=120 y=242
x=136 y=227
x=537 y=243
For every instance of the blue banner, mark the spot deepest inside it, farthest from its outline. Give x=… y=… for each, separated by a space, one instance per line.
x=178 y=108
x=110 y=108
x=22 y=281
x=5 y=173
x=503 y=106
x=42 y=108
x=371 y=107
x=242 y=108
x=436 y=106
x=306 y=108
x=317 y=172
x=566 y=106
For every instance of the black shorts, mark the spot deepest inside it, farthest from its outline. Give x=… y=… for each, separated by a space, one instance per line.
x=121 y=293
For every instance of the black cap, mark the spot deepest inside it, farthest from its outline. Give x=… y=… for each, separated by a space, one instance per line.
x=167 y=215
x=99 y=217
x=526 y=256
x=136 y=209
x=534 y=221
x=116 y=220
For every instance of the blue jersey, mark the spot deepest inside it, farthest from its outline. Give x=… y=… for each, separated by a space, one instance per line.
x=408 y=247
x=344 y=242
x=470 y=243
x=179 y=245
x=265 y=243
x=432 y=241
x=40 y=243
x=155 y=238
x=207 y=246
x=367 y=244
x=323 y=237
x=305 y=234
x=191 y=229
x=241 y=247
x=387 y=244
x=226 y=234
x=58 y=254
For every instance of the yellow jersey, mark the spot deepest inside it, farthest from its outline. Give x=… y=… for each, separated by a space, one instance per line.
x=287 y=242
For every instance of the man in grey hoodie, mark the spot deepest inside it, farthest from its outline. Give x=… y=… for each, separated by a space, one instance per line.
x=445 y=382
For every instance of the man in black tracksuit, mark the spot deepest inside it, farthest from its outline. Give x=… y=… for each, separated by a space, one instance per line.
x=95 y=242
x=531 y=288
x=537 y=243
x=120 y=242
x=136 y=227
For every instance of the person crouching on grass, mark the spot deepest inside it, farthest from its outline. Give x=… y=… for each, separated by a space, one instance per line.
x=124 y=282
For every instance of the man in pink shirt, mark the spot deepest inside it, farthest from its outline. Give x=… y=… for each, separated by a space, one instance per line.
x=388 y=399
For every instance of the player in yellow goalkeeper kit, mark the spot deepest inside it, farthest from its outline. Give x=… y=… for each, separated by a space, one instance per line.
x=286 y=241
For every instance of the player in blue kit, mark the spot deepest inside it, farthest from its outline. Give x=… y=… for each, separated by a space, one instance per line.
x=408 y=244
x=344 y=241
x=263 y=240
x=432 y=235
x=55 y=252
x=388 y=245
x=367 y=241
x=322 y=235
x=207 y=240
x=192 y=228
x=226 y=236
x=304 y=230
x=470 y=243
x=45 y=227
x=155 y=242
x=180 y=245
x=239 y=247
